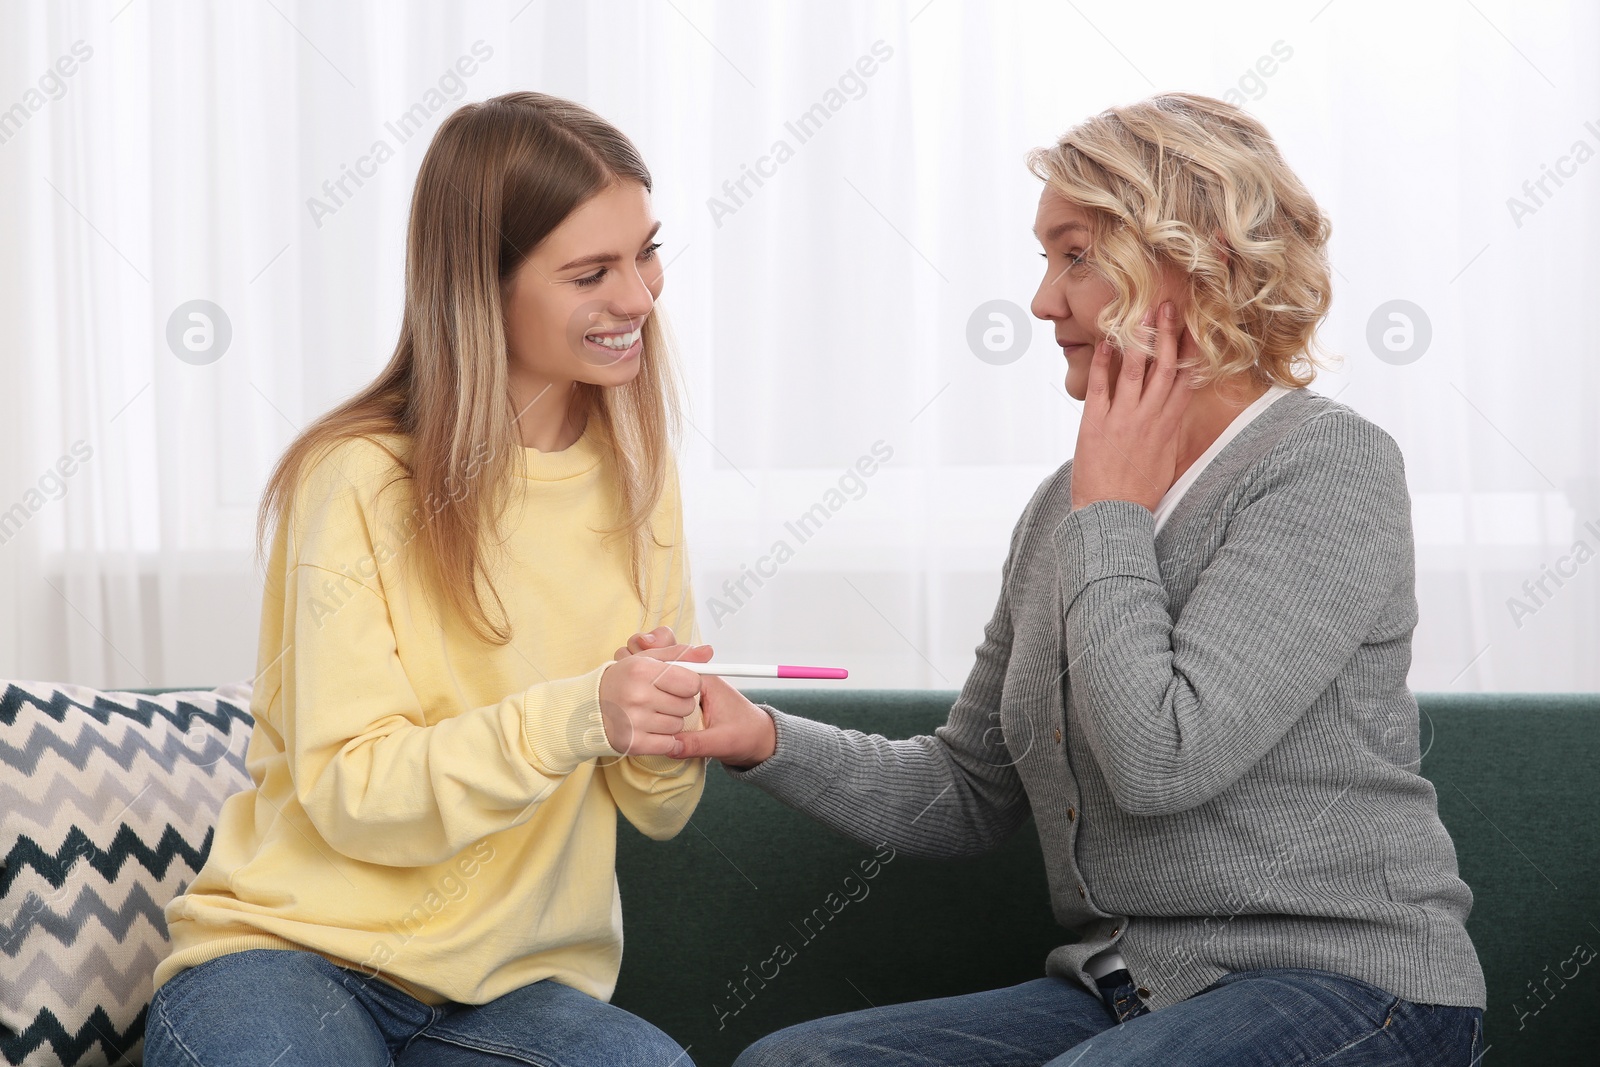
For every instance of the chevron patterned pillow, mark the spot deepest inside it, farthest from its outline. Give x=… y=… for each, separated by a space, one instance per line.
x=107 y=806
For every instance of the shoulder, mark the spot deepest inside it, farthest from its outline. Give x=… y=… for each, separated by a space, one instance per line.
x=1332 y=442
x=360 y=459
x=1325 y=468
x=350 y=469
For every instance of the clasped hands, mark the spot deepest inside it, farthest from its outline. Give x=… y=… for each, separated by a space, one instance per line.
x=644 y=701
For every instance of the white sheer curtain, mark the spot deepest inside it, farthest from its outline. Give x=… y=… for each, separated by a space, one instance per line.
x=254 y=156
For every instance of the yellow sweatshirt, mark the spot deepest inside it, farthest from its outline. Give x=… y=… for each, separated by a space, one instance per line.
x=428 y=807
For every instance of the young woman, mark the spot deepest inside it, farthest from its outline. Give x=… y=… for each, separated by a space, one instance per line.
x=1198 y=664
x=424 y=870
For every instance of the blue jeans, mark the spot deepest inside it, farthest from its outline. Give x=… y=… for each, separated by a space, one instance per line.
x=290 y=1008
x=1264 y=1018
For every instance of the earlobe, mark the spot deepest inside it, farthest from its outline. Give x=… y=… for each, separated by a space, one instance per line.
x=1221 y=244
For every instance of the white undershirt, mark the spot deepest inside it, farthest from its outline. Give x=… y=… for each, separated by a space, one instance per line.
x=1108 y=960
x=1240 y=421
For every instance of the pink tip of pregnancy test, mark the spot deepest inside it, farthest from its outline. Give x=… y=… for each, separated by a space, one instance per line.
x=811 y=672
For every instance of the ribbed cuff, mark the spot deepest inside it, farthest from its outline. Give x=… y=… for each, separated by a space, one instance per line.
x=1102 y=540
x=562 y=724
x=799 y=765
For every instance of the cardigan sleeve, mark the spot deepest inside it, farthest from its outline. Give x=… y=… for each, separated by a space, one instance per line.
x=1176 y=710
x=955 y=792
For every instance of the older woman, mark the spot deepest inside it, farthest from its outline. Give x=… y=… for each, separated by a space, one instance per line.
x=1197 y=664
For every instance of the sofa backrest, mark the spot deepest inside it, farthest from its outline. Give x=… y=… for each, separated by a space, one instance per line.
x=754 y=917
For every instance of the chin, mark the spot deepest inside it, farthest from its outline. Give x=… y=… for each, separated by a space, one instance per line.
x=620 y=373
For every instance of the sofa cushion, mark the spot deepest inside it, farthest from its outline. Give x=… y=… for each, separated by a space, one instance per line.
x=107 y=804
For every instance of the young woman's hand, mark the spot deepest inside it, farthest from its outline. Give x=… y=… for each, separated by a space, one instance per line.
x=659 y=638
x=644 y=698
x=1128 y=443
x=736 y=731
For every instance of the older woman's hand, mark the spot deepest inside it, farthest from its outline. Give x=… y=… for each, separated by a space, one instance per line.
x=736 y=731
x=1128 y=441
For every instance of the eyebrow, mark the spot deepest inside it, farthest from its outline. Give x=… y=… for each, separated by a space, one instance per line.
x=602 y=257
x=1060 y=228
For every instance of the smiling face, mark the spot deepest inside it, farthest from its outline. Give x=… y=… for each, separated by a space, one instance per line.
x=576 y=306
x=1072 y=293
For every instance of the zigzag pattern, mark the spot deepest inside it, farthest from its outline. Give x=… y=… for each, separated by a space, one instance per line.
x=127 y=845
x=144 y=710
x=63 y=797
x=69 y=1047
x=50 y=807
x=173 y=750
x=36 y=918
x=83 y=767
x=30 y=881
x=95 y=978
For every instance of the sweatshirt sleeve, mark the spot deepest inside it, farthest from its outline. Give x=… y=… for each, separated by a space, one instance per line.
x=955 y=792
x=378 y=780
x=1177 y=710
x=657 y=794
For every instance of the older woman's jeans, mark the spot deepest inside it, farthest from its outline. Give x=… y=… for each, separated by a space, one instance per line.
x=289 y=1008
x=1263 y=1018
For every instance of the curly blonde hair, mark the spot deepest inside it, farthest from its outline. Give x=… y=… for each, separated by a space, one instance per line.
x=1160 y=180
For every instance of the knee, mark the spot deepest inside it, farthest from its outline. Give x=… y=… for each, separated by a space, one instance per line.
x=197 y=1009
x=798 y=1046
x=568 y=1025
x=250 y=976
x=646 y=1043
x=161 y=1049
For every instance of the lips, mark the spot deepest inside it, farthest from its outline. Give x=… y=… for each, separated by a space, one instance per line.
x=611 y=346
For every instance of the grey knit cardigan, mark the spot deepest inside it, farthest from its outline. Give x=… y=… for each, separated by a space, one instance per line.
x=1211 y=727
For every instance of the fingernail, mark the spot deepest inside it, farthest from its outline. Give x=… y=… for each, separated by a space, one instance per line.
x=1167 y=311
x=646 y=639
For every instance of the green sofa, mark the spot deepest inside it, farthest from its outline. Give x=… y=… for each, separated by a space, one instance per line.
x=754 y=917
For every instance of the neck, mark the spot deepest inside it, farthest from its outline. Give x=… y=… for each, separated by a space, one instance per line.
x=546 y=416
x=1209 y=413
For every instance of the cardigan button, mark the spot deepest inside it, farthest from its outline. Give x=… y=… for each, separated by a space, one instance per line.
x=1058 y=735
x=1143 y=992
x=1115 y=930
x=1081 y=891
x=1072 y=813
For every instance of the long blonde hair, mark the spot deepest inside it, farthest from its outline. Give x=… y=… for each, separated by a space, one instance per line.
x=498 y=177
x=1158 y=179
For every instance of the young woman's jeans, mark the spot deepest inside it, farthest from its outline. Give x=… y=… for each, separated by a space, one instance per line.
x=289 y=1008
x=1265 y=1018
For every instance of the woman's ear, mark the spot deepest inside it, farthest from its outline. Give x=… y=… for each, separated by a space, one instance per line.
x=1221 y=243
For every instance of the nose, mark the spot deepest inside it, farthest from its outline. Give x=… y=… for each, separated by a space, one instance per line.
x=629 y=296
x=639 y=296
x=1049 y=303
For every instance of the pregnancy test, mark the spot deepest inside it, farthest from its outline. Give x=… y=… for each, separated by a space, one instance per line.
x=762 y=670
